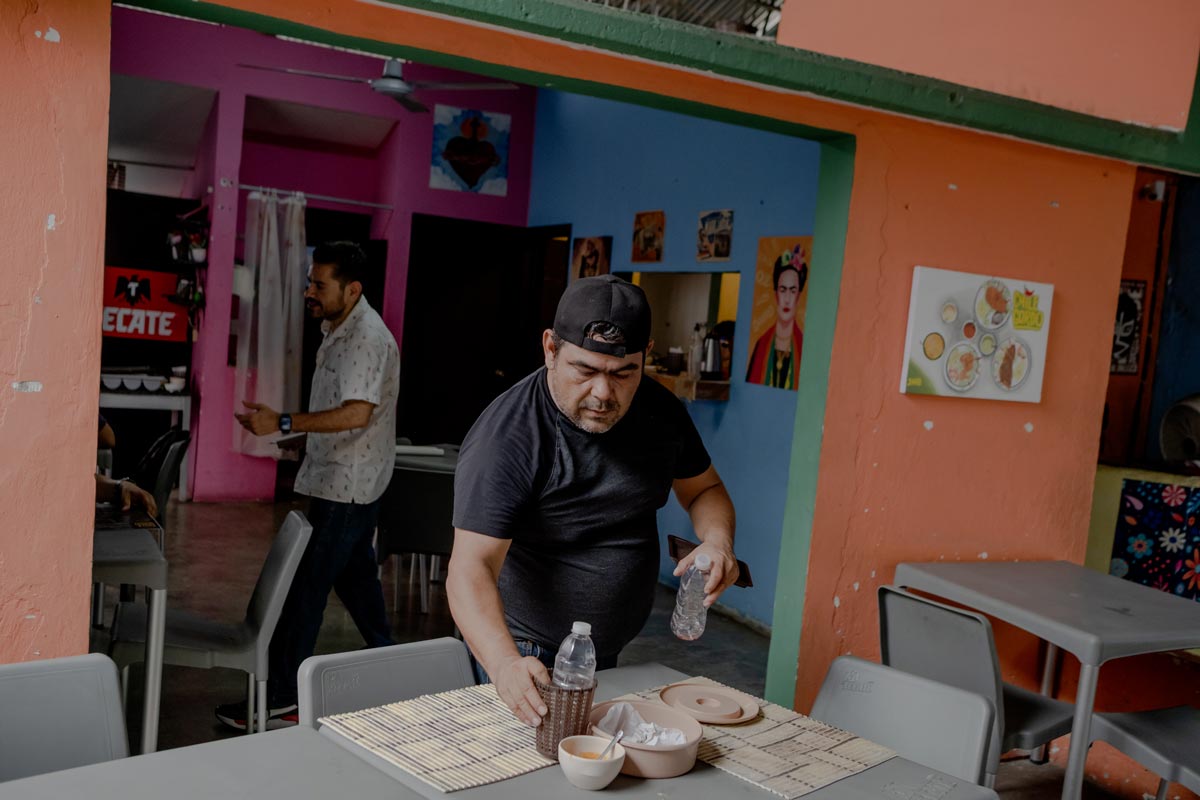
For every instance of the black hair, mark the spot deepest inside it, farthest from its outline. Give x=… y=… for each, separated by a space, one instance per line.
x=348 y=260
x=780 y=268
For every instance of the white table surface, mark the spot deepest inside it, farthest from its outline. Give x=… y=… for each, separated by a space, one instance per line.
x=288 y=764
x=1093 y=616
x=895 y=779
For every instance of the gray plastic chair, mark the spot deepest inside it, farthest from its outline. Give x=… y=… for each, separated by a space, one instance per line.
x=956 y=647
x=1165 y=741
x=193 y=641
x=59 y=713
x=168 y=473
x=933 y=724
x=341 y=682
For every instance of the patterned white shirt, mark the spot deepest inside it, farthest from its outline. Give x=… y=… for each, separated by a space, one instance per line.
x=358 y=360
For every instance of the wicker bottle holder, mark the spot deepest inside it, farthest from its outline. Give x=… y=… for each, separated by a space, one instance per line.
x=566 y=715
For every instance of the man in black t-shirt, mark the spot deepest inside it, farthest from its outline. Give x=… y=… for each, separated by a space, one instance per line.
x=556 y=496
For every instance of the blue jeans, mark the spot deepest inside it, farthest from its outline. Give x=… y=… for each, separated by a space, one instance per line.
x=528 y=648
x=340 y=557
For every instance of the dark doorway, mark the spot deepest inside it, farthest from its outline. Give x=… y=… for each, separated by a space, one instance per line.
x=479 y=296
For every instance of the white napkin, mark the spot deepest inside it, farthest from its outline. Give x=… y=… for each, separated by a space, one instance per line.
x=624 y=717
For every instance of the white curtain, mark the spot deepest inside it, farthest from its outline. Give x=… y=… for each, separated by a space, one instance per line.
x=270 y=322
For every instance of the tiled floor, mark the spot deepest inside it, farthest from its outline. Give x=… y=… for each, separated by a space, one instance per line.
x=216 y=550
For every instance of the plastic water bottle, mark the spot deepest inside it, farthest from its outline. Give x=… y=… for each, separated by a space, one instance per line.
x=575 y=664
x=690 y=614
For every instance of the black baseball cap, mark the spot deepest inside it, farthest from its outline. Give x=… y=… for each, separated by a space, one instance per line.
x=604 y=298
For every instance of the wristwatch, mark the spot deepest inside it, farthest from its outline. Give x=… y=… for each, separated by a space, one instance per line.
x=285 y=423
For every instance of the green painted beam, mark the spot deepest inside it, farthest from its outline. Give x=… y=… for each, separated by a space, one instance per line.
x=824 y=286
x=746 y=58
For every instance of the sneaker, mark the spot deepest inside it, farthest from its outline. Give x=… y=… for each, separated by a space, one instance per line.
x=234 y=715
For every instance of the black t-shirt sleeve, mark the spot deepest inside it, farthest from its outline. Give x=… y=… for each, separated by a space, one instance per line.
x=494 y=479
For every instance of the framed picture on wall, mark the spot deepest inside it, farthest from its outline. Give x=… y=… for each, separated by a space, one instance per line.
x=649 y=228
x=1127 y=331
x=714 y=237
x=777 y=317
x=591 y=256
x=470 y=150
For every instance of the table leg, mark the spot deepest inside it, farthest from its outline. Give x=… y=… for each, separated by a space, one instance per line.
x=155 y=630
x=1081 y=728
x=1049 y=669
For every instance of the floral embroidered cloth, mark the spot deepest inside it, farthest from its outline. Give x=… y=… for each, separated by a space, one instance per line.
x=1157 y=542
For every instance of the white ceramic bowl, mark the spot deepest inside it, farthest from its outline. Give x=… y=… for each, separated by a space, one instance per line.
x=175 y=384
x=179 y=372
x=111 y=381
x=132 y=384
x=589 y=773
x=152 y=384
x=663 y=761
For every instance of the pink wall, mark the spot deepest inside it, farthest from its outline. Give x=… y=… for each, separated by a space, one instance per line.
x=150 y=46
x=54 y=100
x=1131 y=62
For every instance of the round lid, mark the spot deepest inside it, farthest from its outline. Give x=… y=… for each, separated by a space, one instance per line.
x=703 y=562
x=582 y=628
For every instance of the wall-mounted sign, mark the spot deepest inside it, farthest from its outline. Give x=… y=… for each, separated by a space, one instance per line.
x=714 y=238
x=976 y=336
x=1127 y=332
x=590 y=256
x=777 y=320
x=649 y=228
x=136 y=306
x=470 y=150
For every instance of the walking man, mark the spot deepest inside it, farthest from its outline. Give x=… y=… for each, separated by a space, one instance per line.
x=350 y=452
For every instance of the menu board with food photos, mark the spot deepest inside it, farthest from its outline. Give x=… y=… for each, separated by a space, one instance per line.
x=976 y=336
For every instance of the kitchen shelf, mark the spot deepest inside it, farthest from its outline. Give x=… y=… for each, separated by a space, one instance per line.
x=685 y=388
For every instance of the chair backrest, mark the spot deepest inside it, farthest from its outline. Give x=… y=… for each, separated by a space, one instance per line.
x=168 y=471
x=274 y=582
x=933 y=724
x=146 y=471
x=59 y=713
x=415 y=515
x=341 y=682
x=944 y=644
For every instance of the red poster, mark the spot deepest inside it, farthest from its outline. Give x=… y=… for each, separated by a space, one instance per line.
x=136 y=306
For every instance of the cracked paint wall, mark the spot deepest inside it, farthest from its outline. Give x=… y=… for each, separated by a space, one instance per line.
x=54 y=67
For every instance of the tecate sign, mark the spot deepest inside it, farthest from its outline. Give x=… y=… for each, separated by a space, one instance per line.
x=136 y=306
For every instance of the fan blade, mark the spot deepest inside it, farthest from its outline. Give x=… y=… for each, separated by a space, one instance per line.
x=411 y=104
x=307 y=73
x=472 y=86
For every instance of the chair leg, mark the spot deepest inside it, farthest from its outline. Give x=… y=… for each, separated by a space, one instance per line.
x=1163 y=784
x=375 y=549
x=397 y=563
x=263 y=711
x=435 y=569
x=424 y=588
x=97 y=605
x=412 y=569
x=125 y=688
x=250 y=702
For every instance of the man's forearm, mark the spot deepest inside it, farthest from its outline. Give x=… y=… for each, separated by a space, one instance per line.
x=479 y=613
x=713 y=517
x=343 y=418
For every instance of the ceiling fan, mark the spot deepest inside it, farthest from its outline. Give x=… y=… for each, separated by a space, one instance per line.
x=392 y=83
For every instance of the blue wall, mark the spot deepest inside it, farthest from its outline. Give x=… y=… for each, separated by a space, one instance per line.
x=596 y=163
x=1177 y=371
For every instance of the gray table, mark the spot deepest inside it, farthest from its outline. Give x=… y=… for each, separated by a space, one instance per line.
x=895 y=778
x=280 y=765
x=1094 y=617
x=130 y=554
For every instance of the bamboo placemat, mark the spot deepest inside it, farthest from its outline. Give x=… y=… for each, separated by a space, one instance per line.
x=454 y=740
x=786 y=753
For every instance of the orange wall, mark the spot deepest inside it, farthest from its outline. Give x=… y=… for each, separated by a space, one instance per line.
x=1127 y=61
x=54 y=107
